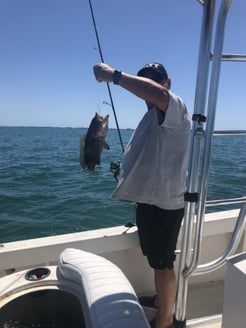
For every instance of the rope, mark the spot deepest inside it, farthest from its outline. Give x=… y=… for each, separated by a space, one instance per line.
x=109 y=91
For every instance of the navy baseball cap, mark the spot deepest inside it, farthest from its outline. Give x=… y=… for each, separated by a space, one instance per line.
x=154 y=71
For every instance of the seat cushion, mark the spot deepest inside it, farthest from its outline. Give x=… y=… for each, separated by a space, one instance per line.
x=107 y=297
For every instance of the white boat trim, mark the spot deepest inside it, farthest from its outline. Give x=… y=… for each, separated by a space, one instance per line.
x=33 y=252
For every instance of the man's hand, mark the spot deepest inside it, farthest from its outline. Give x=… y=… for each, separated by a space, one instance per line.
x=103 y=72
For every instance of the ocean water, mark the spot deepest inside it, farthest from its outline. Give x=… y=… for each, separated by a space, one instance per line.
x=44 y=192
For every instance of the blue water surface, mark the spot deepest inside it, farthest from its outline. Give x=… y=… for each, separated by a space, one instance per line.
x=44 y=191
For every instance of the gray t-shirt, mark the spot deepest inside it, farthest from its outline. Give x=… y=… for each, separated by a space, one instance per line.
x=155 y=160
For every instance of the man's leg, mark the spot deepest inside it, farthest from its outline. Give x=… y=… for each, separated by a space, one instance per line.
x=158 y=232
x=165 y=282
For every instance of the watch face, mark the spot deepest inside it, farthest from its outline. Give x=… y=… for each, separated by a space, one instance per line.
x=116 y=77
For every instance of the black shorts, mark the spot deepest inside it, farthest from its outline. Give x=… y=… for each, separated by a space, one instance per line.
x=158 y=231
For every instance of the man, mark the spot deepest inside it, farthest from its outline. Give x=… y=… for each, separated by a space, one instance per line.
x=153 y=174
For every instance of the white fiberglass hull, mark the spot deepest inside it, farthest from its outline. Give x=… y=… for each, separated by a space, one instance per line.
x=119 y=245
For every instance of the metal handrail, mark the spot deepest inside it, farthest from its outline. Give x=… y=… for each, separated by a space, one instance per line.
x=232 y=246
x=228 y=201
x=189 y=260
x=219 y=38
x=231 y=57
x=236 y=236
x=195 y=147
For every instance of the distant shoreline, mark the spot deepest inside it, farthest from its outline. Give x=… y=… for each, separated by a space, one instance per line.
x=230 y=132
x=216 y=132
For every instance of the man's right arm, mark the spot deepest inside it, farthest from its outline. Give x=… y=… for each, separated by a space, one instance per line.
x=142 y=87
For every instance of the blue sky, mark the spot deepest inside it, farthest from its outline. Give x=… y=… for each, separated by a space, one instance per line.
x=48 y=49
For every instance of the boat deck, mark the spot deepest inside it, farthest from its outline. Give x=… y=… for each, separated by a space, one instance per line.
x=204 y=306
x=209 y=325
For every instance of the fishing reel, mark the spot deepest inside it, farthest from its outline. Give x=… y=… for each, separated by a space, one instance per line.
x=115 y=169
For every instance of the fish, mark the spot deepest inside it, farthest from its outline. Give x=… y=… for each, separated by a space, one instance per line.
x=93 y=143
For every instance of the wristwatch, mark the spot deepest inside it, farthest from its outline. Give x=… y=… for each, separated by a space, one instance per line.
x=116 y=76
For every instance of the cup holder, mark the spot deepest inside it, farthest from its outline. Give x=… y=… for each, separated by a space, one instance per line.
x=37 y=274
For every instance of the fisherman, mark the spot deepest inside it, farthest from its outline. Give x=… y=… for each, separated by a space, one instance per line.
x=153 y=176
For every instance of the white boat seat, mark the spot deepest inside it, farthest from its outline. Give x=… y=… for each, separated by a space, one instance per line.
x=107 y=297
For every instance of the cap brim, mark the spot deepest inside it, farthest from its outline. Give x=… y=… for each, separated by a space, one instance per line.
x=152 y=74
x=145 y=70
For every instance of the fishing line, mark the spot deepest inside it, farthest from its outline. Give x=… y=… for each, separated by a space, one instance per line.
x=109 y=91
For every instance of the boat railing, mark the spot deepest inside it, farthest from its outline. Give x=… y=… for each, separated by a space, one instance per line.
x=198 y=171
x=231 y=248
x=227 y=201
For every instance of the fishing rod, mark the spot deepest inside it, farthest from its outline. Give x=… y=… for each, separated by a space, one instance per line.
x=109 y=91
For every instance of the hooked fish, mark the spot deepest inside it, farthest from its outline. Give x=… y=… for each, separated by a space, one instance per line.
x=93 y=143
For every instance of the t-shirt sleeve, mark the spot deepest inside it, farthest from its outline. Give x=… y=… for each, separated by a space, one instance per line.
x=175 y=113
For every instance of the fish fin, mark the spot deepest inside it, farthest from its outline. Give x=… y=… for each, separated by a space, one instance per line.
x=82 y=153
x=105 y=145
